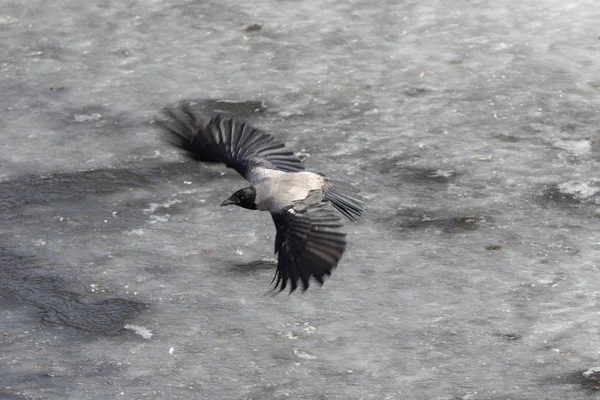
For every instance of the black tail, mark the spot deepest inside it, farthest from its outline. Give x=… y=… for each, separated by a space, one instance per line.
x=345 y=198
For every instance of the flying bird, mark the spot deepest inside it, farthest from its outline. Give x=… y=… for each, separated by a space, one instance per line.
x=309 y=241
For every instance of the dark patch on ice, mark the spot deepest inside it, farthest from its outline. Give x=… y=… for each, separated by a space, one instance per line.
x=570 y=127
x=20 y=278
x=261 y=391
x=35 y=189
x=554 y=195
x=338 y=107
x=493 y=247
x=105 y=316
x=54 y=378
x=122 y=53
x=509 y=336
x=6 y=393
x=158 y=270
x=584 y=379
x=507 y=138
x=239 y=109
x=389 y=168
x=253 y=27
x=59 y=89
x=88 y=120
x=591 y=378
x=252 y=266
x=415 y=219
x=416 y=91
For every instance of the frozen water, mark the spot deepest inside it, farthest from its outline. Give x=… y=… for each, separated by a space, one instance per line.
x=471 y=127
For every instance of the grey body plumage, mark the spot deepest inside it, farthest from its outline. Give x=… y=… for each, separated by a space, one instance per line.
x=309 y=241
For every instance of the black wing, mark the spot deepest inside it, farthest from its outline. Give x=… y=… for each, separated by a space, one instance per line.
x=234 y=143
x=309 y=242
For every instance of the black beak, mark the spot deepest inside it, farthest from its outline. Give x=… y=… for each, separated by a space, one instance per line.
x=230 y=201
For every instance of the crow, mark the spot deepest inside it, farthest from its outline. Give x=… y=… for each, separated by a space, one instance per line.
x=309 y=241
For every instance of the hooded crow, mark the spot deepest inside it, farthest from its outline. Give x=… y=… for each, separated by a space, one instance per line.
x=309 y=241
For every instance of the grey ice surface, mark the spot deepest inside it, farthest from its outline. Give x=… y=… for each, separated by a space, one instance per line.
x=472 y=127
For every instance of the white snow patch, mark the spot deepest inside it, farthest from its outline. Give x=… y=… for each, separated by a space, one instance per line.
x=140 y=330
x=304 y=355
x=580 y=190
x=592 y=373
x=303 y=155
x=8 y=19
x=290 y=336
x=137 y=232
x=308 y=327
x=159 y=218
x=441 y=173
x=577 y=147
x=87 y=118
x=154 y=206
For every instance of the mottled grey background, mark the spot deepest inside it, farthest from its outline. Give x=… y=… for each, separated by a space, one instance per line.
x=472 y=127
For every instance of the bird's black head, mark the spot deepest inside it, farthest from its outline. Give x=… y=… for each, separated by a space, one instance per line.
x=244 y=198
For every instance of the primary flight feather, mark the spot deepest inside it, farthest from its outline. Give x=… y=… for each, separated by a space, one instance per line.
x=309 y=240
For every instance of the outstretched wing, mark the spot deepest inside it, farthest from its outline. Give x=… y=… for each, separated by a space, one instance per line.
x=220 y=139
x=309 y=242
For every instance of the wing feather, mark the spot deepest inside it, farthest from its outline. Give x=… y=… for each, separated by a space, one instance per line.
x=309 y=242
x=236 y=144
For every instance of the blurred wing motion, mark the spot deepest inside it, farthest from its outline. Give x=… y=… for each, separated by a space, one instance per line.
x=309 y=241
x=236 y=144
